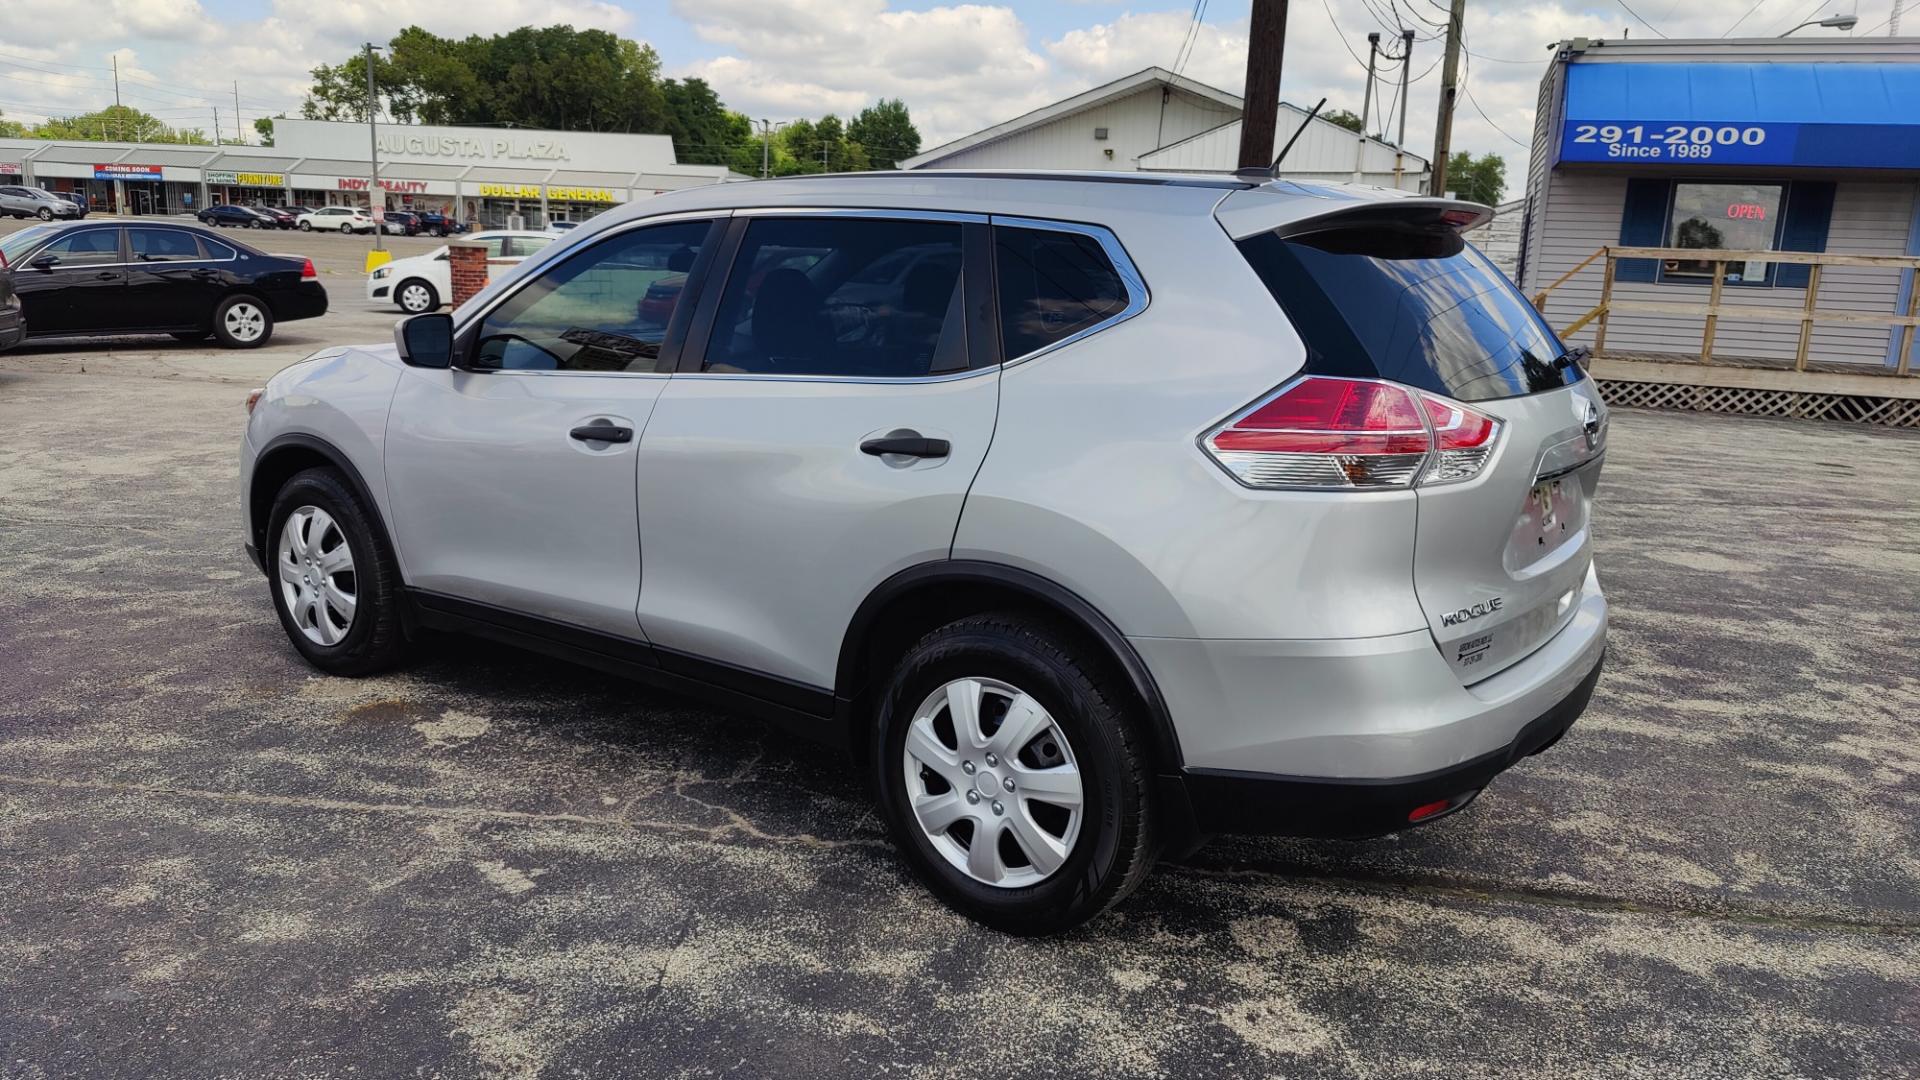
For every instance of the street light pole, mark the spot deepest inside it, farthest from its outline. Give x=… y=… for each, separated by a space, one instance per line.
x=373 y=155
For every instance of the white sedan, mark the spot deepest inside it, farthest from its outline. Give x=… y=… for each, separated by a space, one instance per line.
x=424 y=282
x=346 y=219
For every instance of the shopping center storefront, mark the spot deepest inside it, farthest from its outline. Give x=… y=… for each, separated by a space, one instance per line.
x=480 y=175
x=1801 y=145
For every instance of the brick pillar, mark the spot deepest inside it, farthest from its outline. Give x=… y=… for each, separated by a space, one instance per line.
x=467 y=262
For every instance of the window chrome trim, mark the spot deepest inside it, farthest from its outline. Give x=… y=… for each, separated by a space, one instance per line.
x=1138 y=295
x=872 y=212
x=860 y=380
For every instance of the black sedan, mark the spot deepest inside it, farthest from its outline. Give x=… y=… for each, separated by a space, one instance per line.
x=240 y=217
x=105 y=278
x=436 y=224
x=282 y=218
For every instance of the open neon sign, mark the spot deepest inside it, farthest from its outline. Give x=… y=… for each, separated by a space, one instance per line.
x=1742 y=211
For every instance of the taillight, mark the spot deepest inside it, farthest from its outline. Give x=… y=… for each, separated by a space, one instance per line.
x=308 y=273
x=1324 y=432
x=253 y=398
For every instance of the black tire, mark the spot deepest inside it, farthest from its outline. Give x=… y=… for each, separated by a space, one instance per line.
x=192 y=335
x=228 y=337
x=1118 y=839
x=374 y=641
x=346 y=229
x=400 y=296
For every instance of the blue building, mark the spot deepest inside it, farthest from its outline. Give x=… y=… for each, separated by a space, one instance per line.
x=1799 y=144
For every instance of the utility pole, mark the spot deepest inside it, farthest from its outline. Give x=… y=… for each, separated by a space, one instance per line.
x=1893 y=24
x=1260 y=111
x=217 y=140
x=766 y=145
x=376 y=199
x=1366 y=105
x=1449 y=89
x=1400 y=140
x=118 y=121
x=239 y=134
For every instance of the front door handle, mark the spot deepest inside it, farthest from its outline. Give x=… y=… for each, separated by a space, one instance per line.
x=105 y=275
x=607 y=433
x=907 y=445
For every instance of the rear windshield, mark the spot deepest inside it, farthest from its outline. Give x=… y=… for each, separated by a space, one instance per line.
x=1417 y=306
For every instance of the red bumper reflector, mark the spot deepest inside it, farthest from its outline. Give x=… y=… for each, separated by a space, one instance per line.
x=1422 y=813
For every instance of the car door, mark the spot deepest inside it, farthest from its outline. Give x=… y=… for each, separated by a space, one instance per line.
x=512 y=474
x=75 y=283
x=170 y=283
x=811 y=447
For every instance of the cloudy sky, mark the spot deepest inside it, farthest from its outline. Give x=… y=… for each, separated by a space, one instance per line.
x=959 y=66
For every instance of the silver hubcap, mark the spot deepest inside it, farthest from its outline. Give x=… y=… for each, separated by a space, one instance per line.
x=414 y=298
x=993 y=783
x=246 y=322
x=316 y=575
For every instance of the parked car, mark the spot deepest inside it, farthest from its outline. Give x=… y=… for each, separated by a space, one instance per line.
x=300 y=211
x=1137 y=513
x=282 y=218
x=562 y=228
x=25 y=202
x=346 y=219
x=237 y=217
x=12 y=330
x=401 y=223
x=106 y=278
x=79 y=199
x=433 y=223
x=424 y=282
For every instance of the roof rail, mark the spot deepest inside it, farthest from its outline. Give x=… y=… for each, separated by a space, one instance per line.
x=1150 y=179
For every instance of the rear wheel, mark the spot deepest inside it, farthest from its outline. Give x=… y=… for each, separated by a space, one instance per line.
x=335 y=585
x=415 y=296
x=346 y=229
x=1013 y=774
x=242 y=322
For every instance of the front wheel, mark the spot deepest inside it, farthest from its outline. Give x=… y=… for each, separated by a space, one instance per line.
x=242 y=322
x=45 y=214
x=415 y=296
x=1014 y=775
x=306 y=226
x=335 y=584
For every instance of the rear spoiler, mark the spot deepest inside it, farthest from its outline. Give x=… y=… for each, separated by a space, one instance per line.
x=1294 y=209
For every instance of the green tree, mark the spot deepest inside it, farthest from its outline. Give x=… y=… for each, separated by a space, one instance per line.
x=704 y=131
x=339 y=91
x=1342 y=117
x=1481 y=180
x=116 y=123
x=264 y=128
x=886 y=132
x=11 y=129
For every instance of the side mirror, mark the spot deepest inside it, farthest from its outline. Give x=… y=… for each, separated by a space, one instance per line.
x=425 y=341
x=45 y=262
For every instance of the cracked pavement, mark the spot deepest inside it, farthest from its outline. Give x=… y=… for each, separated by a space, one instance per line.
x=215 y=862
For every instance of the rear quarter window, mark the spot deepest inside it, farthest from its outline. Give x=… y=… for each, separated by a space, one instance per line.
x=1052 y=285
x=1418 y=306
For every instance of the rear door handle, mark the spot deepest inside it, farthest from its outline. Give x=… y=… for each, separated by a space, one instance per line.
x=909 y=445
x=105 y=275
x=607 y=433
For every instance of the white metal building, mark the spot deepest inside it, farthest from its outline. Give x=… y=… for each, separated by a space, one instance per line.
x=1156 y=121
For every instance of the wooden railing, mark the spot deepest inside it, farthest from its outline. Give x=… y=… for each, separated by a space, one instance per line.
x=1715 y=309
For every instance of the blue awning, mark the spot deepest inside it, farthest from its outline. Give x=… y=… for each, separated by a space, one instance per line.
x=1837 y=115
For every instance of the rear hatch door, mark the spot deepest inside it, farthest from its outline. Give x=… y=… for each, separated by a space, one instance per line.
x=1385 y=288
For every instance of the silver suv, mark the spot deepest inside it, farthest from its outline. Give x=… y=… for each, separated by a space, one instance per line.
x=1093 y=514
x=20 y=202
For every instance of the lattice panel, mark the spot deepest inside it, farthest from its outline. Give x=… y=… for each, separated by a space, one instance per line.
x=1851 y=408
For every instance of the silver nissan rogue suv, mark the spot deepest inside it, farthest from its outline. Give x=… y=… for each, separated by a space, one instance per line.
x=1095 y=514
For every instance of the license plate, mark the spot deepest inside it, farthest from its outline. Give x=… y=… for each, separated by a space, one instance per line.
x=1551 y=517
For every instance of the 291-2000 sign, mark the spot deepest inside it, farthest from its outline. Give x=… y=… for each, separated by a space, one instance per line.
x=1678 y=140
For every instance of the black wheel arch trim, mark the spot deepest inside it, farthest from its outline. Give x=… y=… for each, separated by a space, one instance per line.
x=849 y=679
x=257 y=527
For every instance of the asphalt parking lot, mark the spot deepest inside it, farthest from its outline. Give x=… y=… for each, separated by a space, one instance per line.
x=216 y=863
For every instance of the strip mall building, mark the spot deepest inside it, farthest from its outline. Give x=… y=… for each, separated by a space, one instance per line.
x=490 y=176
x=1803 y=144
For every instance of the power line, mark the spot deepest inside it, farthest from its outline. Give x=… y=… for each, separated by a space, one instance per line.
x=1181 y=55
x=1643 y=22
x=1466 y=87
x=1742 y=18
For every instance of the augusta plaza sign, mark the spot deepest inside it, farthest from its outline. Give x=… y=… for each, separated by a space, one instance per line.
x=455 y=147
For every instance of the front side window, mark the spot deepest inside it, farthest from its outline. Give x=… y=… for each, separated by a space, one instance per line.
x=602 y=309
x=1730 y=217
x=1052 y=286
x=88 y=248
x=803 y=298
x=14 y=245
x=162 y=245
x=495 y=245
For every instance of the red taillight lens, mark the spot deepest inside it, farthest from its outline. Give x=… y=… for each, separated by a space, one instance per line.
x=1324 y=432
x=308 y=273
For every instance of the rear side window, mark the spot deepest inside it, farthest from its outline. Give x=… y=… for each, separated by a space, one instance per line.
x=217 y=250
x=1416 y=306
x=1052 y=285
x=851 y=297
x=162 y=245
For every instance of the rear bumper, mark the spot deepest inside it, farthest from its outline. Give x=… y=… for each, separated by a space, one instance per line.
x=306 y=301
x=1226 y=801
x=1332 y=737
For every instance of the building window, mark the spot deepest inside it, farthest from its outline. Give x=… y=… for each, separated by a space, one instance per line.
x=1729 y=217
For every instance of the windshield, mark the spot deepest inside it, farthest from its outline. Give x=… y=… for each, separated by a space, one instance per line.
x=1418 y=306
x=18 y=244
